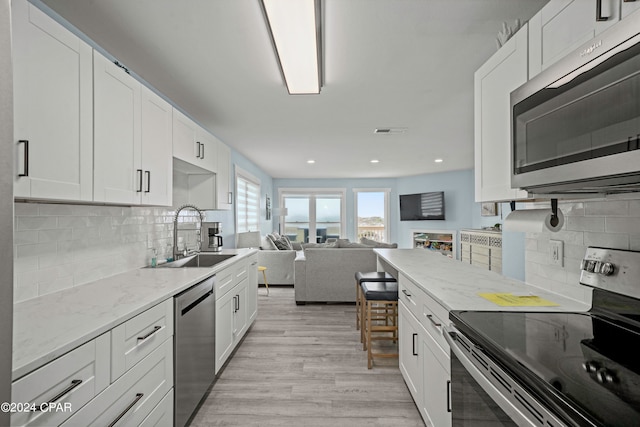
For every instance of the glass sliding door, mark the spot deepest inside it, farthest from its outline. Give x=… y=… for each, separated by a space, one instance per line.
x=313 y=215
x=372 y=213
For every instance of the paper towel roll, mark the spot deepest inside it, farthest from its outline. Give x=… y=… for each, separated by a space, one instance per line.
x=532 y=220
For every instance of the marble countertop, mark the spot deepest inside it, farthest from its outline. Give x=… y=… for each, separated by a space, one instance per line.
x=455 y=285
x=49 y=326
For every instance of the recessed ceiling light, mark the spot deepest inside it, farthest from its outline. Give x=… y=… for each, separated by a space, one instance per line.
x=375 y=161
x=311 y=161
x=389 y=131
x=438 y=160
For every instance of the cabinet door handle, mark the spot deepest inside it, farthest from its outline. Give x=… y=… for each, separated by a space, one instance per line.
x=599 y=16
x=407 y=294
x=433 y=322
x=237 y=303
x=448 y=395
x=127 y=409
x=139 y=171
x=230 y=197
x=155 y=329
x=202 y=151
x=148 y=173
x=198 y=155
x=26 y=157
x=44 y=406
x=414 y=351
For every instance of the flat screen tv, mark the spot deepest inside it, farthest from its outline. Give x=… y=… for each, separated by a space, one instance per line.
x=422 y=206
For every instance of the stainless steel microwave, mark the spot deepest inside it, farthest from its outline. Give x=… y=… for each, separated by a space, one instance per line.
x=575 y=127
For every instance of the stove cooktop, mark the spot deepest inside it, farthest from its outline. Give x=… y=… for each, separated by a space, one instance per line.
x=584 y=366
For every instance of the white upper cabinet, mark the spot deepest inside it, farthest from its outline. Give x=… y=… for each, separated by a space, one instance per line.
x=224 y=188
x=53 y=108
x=563 y=25
x=193 y=144
x=132 y=139
x=494 y=81
x=157 y=146
x=118 y=177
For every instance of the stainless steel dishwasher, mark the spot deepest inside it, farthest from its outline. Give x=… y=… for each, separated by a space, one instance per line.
x=194 y=348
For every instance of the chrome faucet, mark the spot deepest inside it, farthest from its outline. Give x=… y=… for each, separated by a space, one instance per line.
x=176 y=251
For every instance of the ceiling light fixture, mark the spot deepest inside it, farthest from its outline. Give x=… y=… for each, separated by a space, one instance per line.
x=295 y=31
x=311 y=161
x=375 y=161
x=438 y=160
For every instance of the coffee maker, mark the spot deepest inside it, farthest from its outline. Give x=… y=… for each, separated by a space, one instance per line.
x=211 y=241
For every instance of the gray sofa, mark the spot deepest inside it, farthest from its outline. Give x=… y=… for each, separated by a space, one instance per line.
x=328 y=274
x=279 y=266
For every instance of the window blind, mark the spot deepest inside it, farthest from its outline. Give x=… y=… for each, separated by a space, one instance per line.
x=247 y=204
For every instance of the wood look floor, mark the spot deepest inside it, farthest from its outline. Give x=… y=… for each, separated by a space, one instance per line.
x=304 y=366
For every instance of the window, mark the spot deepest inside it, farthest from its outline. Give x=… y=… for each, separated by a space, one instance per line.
x=247 y=202
x=372 y=213
x=313 y=215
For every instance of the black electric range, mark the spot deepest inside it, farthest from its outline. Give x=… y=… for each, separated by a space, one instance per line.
x=582 y=367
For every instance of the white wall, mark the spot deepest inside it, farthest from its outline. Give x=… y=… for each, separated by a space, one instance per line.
x=605 y=223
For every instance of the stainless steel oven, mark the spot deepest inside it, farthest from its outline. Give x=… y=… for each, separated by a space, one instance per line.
x=552 y=369
x=576 y=126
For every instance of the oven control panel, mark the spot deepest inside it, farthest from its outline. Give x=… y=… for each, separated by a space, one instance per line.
x=612 y=269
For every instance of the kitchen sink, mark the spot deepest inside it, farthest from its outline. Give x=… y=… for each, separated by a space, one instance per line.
x=197 y=260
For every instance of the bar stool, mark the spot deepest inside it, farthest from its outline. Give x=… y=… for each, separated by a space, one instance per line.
x=380 y=316
x=361 y=277
x=264 y=276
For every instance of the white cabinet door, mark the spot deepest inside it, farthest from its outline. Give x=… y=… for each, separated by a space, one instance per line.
x=53 y=108
x=252 y=289
x=184 y=137
x=157 y=146
x=223 y=182
x=208 y=150
x=240 y=315
x=117 y=138
x=225 y=314
x=563 y=25
x=193 y=144
x=436 y=402
x=410 y=359
x=628 y=7
x=502 y=73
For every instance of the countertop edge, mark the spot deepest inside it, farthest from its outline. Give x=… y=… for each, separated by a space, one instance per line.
x=25 y=365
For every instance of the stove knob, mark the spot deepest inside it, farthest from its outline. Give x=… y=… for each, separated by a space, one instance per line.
x=607 y=269
x=590 y=367
x=605 y=376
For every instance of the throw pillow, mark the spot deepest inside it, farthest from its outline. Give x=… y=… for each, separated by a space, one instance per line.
x=318 y=245
x=267 y=244
x=281 y=243
x=377 y=244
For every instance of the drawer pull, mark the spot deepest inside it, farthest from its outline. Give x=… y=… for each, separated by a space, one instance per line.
x=408 y=295
x=127 y=409
x=414 y=352
x=74 y=384
x=155 y=329
x=433 y=322
x=26 y=157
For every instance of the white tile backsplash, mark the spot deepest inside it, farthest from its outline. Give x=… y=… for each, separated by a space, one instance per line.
x=598 y=222
x=58 y=246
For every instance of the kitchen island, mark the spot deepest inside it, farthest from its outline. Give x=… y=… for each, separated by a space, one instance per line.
x=429 y=287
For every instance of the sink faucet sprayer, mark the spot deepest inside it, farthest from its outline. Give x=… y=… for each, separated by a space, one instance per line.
x=175 y=229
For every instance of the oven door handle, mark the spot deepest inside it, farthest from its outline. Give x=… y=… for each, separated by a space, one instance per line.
x=504 y=402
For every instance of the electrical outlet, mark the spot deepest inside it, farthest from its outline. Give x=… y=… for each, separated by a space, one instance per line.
x=556 y=252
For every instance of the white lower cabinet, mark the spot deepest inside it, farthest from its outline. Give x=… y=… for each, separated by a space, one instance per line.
x=162 y=414
x=66 y=384
x=423 y=353
x=124 y=376
x=236 y=306
x=132 y=397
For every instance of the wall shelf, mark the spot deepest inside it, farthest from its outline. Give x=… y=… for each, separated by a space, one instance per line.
x=443 y=241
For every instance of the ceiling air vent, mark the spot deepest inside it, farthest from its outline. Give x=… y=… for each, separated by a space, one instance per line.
x=389 y=131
